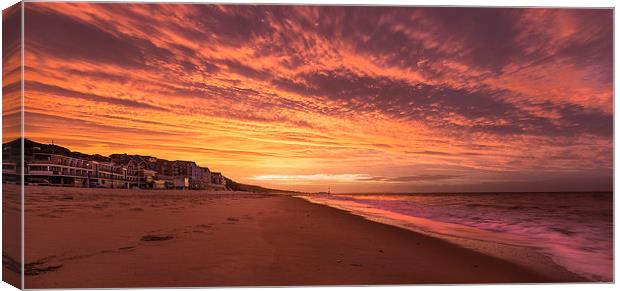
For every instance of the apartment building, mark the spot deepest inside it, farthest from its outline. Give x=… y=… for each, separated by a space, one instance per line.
x=57 y=166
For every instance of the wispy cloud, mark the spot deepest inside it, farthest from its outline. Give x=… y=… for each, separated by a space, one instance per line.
x=264 y=89
x=415 y=178
x=314 y=177
x=351 y=178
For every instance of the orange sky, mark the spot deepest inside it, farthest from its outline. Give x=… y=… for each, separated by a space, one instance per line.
x=357 y=98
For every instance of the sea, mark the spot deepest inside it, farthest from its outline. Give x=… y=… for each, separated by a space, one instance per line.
x=573 y=230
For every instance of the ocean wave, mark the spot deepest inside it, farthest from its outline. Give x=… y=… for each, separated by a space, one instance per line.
x=574 y=229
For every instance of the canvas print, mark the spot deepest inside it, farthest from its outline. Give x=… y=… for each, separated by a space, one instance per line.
x=206 y=145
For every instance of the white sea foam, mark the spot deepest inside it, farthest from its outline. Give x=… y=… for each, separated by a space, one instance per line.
x=574 y=229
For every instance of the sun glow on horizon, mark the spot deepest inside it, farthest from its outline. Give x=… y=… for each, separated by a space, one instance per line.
x=297 y=97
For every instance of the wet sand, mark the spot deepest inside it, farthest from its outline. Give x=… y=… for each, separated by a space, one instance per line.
x=86 y=238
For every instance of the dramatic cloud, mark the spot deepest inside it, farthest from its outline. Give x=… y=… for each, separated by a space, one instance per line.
x=373 y=98
x=51 y=90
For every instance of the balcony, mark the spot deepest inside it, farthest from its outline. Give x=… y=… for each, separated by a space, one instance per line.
x=44 y=173
x=44 y=162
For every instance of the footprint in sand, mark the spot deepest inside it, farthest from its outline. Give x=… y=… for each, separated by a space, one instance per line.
x=37 y=270
x=156 y=237
x=40 y=266
x=232 y=220
x=11 y=264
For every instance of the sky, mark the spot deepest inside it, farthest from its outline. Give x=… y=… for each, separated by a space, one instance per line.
x=357 y=99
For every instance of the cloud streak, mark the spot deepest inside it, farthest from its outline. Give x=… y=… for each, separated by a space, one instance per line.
x=343 y=178
x=399 y=95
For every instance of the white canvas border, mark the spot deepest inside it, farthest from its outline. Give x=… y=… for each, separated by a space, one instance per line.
x=502 y=3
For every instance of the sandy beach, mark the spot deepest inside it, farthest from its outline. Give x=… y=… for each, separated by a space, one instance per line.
x=103 y=238
x=11 y=234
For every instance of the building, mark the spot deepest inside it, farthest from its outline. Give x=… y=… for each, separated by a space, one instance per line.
x=217 y=178
x=11 y=162
x=146 y=178
x=141 y=170
x=60 y=170
x=189 y=172
x=9 y=171
x=163 y=182
x=57 y=166
x=205 y=178
x=217 y=181
x=54 y=169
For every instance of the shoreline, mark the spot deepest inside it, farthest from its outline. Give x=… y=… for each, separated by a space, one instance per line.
x=113 y=239
x=527 y=257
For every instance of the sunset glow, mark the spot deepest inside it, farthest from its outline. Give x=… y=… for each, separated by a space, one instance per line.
x=305 y=97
